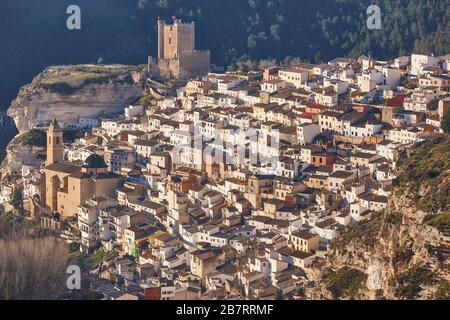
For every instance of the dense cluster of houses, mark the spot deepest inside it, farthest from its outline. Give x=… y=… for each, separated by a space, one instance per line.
x=233 y=188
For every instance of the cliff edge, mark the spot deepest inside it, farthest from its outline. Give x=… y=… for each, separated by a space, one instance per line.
x=68 y=92
x=403 y=252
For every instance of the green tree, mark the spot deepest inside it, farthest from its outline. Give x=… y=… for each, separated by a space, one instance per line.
x=445 y=123
x=233 y=66
x=255 y=65
x=17 y=200
x=318 y=57
x=275 y=32
x=251 y=41
x=245 y=68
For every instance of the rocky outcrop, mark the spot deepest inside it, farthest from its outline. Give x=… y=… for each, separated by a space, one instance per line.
x=68 y=92
x=401 y=243
x=25 y=149
x=403 y=255
x=8 y=131
x=19 y=155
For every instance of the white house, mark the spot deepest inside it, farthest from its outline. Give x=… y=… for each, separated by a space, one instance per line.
x=420 y=61
x=295 y=77
x=133 y=111
x=306 y=132
x=273 y=85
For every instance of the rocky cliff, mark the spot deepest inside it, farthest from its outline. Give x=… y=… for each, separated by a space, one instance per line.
x=68 y=92
x=28 y=148
x=403 y=252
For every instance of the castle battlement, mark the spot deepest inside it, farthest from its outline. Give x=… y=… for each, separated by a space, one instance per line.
x=176 y=22
x=183 y=55
x=180 y=23
x=177 y=56
x=194 y=52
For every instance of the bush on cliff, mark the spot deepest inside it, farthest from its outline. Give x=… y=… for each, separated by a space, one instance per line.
x=440 y=222
x=445 y=123
x=410 y=283
x=425 y=175
x=345 y=282
x=35 y=138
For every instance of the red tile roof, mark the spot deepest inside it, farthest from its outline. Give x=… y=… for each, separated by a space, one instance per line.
x=315 y=106
x=396 y=101
x=307 y=115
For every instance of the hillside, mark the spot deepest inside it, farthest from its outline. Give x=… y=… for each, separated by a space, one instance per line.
x=69 y=92
x=8 y=130
x=401 y=253
x=125 y=31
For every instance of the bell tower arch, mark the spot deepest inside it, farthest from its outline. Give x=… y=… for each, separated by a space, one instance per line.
x=55 y=146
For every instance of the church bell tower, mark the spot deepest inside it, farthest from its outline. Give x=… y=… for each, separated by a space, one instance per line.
x=55 y=147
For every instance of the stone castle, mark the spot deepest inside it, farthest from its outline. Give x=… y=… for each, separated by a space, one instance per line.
x=177 y=56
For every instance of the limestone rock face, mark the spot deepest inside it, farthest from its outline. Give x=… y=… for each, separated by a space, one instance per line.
x=374 y=277
x=68 y=92
x=382 y=259
x=23 y=155
x=398 y=251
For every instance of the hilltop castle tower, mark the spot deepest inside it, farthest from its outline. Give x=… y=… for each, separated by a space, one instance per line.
x=55 y=147
x=177 y=56
x=175 y=38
